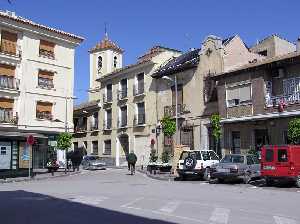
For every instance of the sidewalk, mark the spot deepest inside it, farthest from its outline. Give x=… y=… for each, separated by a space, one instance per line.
x=40 y=174
x=158 y=176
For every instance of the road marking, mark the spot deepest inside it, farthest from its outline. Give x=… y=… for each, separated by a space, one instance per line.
x=283 y=220
x=170 y=207
x=132 y=202
x=88 y=200
x=220 y=215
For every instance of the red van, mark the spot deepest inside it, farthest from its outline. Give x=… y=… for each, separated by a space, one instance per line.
x=280 y=162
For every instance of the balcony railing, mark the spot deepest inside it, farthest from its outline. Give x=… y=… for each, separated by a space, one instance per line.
x=170 y=111
x=107 y=124
x=107 y=98
x=138 y=89
x=45 y=53
x=139 y=119
x=78 y=129
x=122 y=122
x=6 y=116
x=286 y=99
x=122 y=94
x=8 y=82
x=44 y=115
x=11 y=49
x=45 y=83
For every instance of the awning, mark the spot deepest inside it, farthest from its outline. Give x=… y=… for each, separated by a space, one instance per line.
x=4 y=134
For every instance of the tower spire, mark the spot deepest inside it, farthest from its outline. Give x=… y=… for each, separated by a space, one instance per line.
x=105 y=31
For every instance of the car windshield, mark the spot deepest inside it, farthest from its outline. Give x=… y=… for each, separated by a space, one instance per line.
x=186 y=154
x=233 y=159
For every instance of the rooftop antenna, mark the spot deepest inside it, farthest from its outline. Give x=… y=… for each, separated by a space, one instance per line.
x=105 y=31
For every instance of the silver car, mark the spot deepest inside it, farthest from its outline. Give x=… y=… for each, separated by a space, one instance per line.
x=92 y=163
x=236 y=167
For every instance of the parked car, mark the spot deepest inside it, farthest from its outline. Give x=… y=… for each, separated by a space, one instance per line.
x=92 y=162
x=196 y=163
x=236 y=167
x=281 y=163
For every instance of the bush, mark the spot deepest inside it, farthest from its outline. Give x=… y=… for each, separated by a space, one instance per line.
x=294 y=131
x=153 y=156
x=168 y=126
x=165 y=156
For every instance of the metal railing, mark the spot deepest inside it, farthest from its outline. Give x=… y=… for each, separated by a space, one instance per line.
x=107 y=124
x=107 y=98
x=8 y=82
x=170 y=111
x=45 y=53
x=6 y=116
x=11 y=49
x=139 y=119
x=122 y=94
x=45 y=83
x=44 y=115
x=80 y=129
x=138 y=89
x=286 y=99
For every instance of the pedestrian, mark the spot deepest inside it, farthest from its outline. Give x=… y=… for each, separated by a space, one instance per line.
x=131 y=160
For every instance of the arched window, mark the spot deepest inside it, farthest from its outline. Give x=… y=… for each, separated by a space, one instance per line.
x=115 y=61
x=99 y=62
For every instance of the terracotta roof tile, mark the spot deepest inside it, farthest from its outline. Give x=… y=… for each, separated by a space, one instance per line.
x=106 y=44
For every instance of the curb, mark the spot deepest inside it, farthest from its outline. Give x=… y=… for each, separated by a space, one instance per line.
x=157 y=177
x=37 y=178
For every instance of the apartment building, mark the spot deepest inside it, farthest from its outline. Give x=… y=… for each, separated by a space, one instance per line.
x=196 y=93
x=256 y=101
x=36 y=88
x=121 y=113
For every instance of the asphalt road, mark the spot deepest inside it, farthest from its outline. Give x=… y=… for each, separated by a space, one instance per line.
x=114 y=197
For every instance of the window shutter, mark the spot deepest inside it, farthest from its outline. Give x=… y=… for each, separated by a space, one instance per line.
x=232 y=93
x=46 y=74
x=44 y=107
x=47 y=46
x=245 y=93
x=7 y=70
x=9 y=42
x=6 y=103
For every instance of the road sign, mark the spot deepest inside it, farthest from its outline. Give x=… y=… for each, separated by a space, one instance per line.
x=30 y=140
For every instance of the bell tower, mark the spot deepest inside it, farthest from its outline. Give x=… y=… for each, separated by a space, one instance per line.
x=105 y=58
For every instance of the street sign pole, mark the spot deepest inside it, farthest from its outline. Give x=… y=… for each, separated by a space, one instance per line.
x=30 y=142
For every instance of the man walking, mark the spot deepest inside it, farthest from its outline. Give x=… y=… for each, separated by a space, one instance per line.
x=131 y=160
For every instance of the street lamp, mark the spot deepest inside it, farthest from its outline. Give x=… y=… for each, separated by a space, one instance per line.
x=174 y=81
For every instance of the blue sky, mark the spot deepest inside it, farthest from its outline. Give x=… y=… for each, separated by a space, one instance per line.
x=137 y=25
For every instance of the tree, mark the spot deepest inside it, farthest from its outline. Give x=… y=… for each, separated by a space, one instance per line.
x=294 y=131
x=168 y=126
x=64 y=141
x=216 y=129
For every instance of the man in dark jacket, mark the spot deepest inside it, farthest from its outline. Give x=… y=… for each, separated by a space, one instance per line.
x=131 y=159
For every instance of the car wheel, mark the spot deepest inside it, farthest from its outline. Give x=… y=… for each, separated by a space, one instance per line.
x=206 y=175
x=220 y=180
x=181 y=177
x=269 y=182
x=298 y=181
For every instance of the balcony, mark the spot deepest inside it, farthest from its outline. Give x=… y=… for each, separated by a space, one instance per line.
x=80 y=129
x=10 y=49
x=95 y=126
x=107 y=98
x=138 y=89
x=122 y=94
x=285 y=99
x=45 y=83
x=122 y=122
x=139 y=119
x=170 y=111
x=47 y=54
x=107 y=124
x=44 y=115
x=6 y=116
x=9 y=82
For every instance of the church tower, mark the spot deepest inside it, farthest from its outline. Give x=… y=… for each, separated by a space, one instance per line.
x=105 y=58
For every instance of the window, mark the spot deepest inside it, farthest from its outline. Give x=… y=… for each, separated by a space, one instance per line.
x=179 y=94
x=282 y=155
x=107 y=147
x=3 y=151
x=95 y=147
x=44 y=110
x=99 y=63
x=7 y=77
x=187 y=136
x=46 y=49
x=45 y=79
x=108 y=92
x=264 y=53
x=123 y=118
x=238 y=95
x=196 y=155
x=9 y=42
x=291 y=86
x=75 y=144
x=233 y=159
x=139 y=86
x=269 y=155
x=108 y=119
x=123 y=89
x=6 y=110
x=236 y=142
x=115 y=61
x=140 y=117
x=94 y=121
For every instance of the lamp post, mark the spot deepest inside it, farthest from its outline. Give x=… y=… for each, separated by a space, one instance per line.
x=176 y=102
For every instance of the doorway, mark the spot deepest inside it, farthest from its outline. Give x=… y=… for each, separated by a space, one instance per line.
x=5 y=155
x=261 y=138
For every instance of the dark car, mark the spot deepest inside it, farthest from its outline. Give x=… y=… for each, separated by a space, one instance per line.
x=92 y=163
x=236 y=167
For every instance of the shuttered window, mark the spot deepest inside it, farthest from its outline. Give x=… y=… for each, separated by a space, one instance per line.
x=238 y=95
x=44 y=110
x=47 y=48
x=6 y=103
x=45 y=79
x=7 y=70
x=9 y=42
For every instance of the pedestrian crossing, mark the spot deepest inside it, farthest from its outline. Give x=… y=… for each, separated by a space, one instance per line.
x=187 y=212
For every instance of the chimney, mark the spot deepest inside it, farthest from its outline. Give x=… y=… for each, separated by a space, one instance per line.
x=298 y=45
x=10 y=13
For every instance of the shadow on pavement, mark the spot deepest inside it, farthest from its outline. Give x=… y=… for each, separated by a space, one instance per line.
x=31 y=208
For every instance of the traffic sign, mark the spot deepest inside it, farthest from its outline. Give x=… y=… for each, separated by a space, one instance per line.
x=30 y=140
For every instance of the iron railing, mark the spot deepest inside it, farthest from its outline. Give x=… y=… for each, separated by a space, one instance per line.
x=170 y=111
x=8 y=82
x=285 y=99
x=44 y=115
x=45 y=53
x=6 y=116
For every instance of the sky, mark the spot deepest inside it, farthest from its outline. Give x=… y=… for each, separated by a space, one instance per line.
x=137 y=25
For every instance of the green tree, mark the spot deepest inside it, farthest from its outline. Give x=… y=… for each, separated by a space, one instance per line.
x=216 y=129
x=64 y=141
x=294 y=131
x=168 y=126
